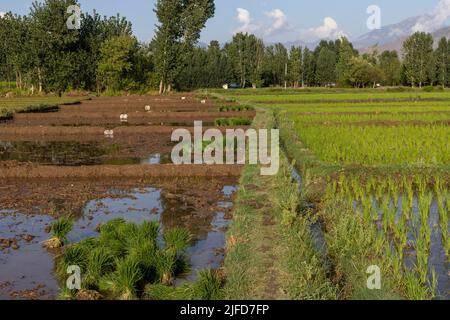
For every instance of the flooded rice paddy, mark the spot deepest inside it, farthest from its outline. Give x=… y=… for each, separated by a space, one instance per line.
x=73 y=137
x=27 y=267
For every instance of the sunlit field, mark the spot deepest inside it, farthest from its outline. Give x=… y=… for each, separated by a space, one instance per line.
x=385 y=158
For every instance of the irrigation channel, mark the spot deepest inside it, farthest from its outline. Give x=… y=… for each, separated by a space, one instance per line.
x=68 y=162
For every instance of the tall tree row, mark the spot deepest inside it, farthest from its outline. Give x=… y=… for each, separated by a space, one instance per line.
x=38 y=52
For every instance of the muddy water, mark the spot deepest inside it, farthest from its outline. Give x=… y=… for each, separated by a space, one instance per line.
x=26 y=271
x=26 y=268
x=74 y=153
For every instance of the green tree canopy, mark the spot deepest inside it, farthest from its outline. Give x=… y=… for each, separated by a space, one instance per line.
x=418 y=58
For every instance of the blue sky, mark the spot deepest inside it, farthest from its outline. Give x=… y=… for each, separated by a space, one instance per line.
x=286 y=20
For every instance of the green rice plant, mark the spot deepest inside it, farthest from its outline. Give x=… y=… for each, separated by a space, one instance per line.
x=74 y=255
x=433 y=284
x=334 y=187
x=160 y=291
x=149 y=231
x=421 y=184
x=438 y=184
x=343 y=185
x=288 y=197
x=415 y=290
x=123 y=282
x=401 y=235
x=418 y=146
x=125 y=258
x=370 y=185
x=425 y=200
x=129 y=233
x=379 y=192
x=147 y=254
x=386 y=211
x=367 y=204
x=395 y=258
x=165 y=266
x=392 y=187
x=441 y=198
x=236 y=108
x=67 y=294
x=177 y=240
x=60 y=229
x=208 y=286
x=223 y=122
x=422 y=253
x=112 y=225
x=358 y=190
x=99 y=262
x=111 y=237
x=353 y=246
x=406 y=206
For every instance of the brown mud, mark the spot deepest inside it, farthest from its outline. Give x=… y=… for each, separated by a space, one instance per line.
x=13 y=171
x=61 y=163
x=27 y=268
x=136 y=118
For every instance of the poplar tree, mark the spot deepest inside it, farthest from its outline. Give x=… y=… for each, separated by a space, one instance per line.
x=308 y=69
x=391 y=67
x=295 y=66
x=343 y=67
x=418 y=58
x=442 y=58
x=326 y=67
x=178 y=30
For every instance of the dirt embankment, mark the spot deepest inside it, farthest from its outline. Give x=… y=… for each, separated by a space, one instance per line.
x=69 y=196
x=128 y=140
x=137 y=118
x=13 y=171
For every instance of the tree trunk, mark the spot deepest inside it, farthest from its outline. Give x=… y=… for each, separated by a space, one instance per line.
x=40 y=80
x=161 y=87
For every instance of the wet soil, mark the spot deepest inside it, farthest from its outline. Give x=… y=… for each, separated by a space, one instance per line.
x=27 y=268
x=62 y=163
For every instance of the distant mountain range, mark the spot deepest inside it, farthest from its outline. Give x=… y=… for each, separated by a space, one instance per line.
x=387 y=34
x=397 y=44
x=390 y=37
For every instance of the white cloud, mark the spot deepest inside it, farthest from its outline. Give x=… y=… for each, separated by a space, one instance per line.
x=244 y=18
x=2 y=14
x=280 y=23
x=430 y=23
x=328 y=30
